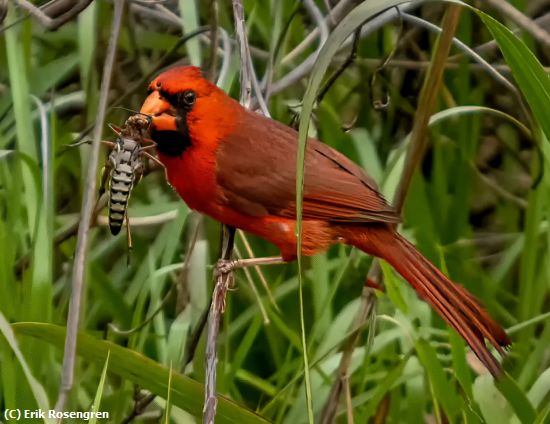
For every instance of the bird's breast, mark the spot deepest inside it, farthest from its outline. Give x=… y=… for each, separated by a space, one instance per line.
x=192 y=175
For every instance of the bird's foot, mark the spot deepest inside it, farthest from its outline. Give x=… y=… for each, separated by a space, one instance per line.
x=223 y=267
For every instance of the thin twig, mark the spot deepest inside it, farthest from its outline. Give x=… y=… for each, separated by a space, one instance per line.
x=422 y=65
x=147 y=320
x=141 y=403
x=317 y=16
x=255 y=291
x=374 y=91
x=489 y=46
x=522 y=21
x=258 y=270
x=64 y=16
x=352 y=56
x=244 y=53
x=501 y=191
x=276 y=45
x=301 y=70
x=341 y=9
x=194 y=337
x=79 y=265
x=468 y=51
x=175 y=24
x=350 y=59
x=349 y=405
x=366 y=310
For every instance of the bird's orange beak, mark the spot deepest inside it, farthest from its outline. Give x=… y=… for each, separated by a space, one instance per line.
x=162 y=113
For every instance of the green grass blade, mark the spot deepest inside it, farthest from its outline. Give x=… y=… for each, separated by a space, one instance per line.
x=492 y=404
x=99 y=392
x=168 y=406
x=39 y=307
x=444 y=391
x=190 y=21
x=528 y=72
x=186 y=393
x=37 y=390
x=543 y=416
x=541 y=389
x=517 y=398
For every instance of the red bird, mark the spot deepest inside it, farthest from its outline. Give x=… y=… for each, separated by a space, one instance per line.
x=239 y=168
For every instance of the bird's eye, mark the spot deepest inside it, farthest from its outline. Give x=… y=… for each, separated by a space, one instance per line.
x=188 y=97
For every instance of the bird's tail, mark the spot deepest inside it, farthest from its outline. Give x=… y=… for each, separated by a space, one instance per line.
x=451 y=301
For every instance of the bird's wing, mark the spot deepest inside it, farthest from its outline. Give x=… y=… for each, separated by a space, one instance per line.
x=256 y=172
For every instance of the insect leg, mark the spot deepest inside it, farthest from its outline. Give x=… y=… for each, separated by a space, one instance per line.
x=148 y=147
x=148 y=140
x=158 y=162
x=153 y=158
x=111 y=144
x=80 y=143
x=129 y=235
x=115 y=129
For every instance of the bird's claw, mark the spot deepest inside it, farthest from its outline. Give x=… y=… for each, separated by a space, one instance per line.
x=223 y=267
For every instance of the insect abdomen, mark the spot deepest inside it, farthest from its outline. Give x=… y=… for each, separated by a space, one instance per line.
x=122 y=180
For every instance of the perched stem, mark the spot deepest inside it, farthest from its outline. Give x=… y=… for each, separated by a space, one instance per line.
x=217 y=307
x=223 y=280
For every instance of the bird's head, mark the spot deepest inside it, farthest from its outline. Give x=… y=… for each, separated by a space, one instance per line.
x=187 y=109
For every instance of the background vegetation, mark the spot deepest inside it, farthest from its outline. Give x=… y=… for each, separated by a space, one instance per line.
x=477 y=206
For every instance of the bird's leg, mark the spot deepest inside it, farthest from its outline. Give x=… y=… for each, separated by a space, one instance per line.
x=223 y=266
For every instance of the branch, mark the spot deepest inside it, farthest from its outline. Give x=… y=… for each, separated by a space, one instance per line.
x=79 y=264
x=217 y=308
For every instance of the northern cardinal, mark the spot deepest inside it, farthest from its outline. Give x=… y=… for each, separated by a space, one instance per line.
x=239 y=167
